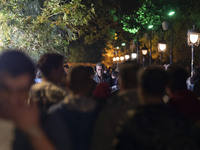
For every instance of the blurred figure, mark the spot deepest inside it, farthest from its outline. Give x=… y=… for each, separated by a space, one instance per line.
x=75 y=116
x=66 y=69
x=115 y=77
x=116 y=108
x=17 y=74
x=182 y=99
x=193 y=79
x=155 y=126
x=100 y=76
x=49 y=91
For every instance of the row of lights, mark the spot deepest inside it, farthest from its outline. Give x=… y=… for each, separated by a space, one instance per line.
x=126 y=57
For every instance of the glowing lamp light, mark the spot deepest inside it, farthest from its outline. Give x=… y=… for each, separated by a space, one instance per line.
x=117 y=47
x=193 y=37
x=127 y=57
x=162 y=47
x=122 y=58
x=114 y=59
x=133 y=55
x=117 y=58
x=150 y=26
x=123 y=44
x=144 y=52
x=171 y=13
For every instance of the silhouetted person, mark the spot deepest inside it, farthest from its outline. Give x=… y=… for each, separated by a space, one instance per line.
x=75 y=116
x=182 y=99
x=49 y=91
x=116 y=108
x=155 y=125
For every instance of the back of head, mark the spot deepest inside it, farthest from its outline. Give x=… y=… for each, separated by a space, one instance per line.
x=90 y=70
x=48 y=62
x=115 y=74
x=16 y=63
x=78 y=79
x=128 y=75
x=177 y=78
x=153 y=81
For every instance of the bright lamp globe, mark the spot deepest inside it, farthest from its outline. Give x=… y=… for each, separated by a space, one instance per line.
x=194 y=38
x=121 y=58
x=133 y=55
x=127 y=57
x=162 y=47
x=117 y=58
x=114 y=59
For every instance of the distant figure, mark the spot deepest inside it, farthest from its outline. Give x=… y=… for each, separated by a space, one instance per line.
x=75 y=116
x=155 y=125
x=100 y=76
x=66 y=69
x=193 y=79
x=116 y=108
x=49 y=91
x=180 y=97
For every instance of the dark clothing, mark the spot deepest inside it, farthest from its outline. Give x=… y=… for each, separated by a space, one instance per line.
x=76 y=120
x=113 y=113
x=186 y=104
x=157 y=127
x=105 y=78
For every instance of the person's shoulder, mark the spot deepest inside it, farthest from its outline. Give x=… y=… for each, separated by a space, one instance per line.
x=56 y=108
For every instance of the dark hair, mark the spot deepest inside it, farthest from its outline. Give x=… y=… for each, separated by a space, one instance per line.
x=78 y=79
x=128 y=74
x=90 y=70
x=115 y=74
x=100 y=64
x=48 y=62
x=16 y=63
x=153 y=81
x=177 y=78
x=66 y=66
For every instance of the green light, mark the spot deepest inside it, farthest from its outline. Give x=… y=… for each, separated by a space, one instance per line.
x=150 y=26
x=171 y=13
x=123 y=44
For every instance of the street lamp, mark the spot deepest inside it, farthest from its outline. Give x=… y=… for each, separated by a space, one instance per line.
x=117 y=47
x=127 y=57
x=171 y=13
x=123 y=44
x=122 y=58
x=144 y=53
x=133 y=56
x=150 y=53
x=117 y=58
x=193 y=40
x=162 y=46
x=114 y=59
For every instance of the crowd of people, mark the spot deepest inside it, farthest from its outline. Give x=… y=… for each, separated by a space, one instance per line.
x=51 y=106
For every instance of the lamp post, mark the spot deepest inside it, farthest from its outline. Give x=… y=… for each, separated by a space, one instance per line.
x=144 y=53
x=150 y=54
x=171 y=13
x=162 y=46
x=193 y=40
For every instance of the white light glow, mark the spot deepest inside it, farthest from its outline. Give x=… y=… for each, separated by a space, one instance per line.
x=121 y=58
x=117 y=58
x=127 y=57
x=133 y=55
x=194 y=38
x=162 y=47
x=144 y=52
x=114 y=59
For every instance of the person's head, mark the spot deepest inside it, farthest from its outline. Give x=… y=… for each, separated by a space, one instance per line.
x=51 y=66
x=79 y=80
x=115 y=74
x=90 y=71
x=17 y=73
x=100 y=69
x=128 y=76
x=177 y=79
x=152 y=85
x=66 y=68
